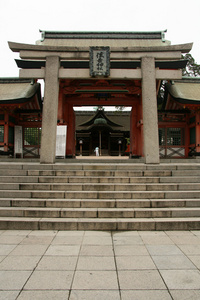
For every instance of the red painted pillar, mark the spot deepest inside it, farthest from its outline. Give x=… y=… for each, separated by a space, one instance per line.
x=60 y=105
x=140 y=129
x=70 y=121
x=133 y=131
x=187 y=136
x=6 y=131
x=197 y=132
x=136 y=145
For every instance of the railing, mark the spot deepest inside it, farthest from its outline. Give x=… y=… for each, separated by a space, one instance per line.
x=31 y=151
x=172 y=151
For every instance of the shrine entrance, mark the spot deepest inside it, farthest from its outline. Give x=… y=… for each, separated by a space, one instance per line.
x=100 y=138
x=108 y=133
x=101 y=68
x=107 y=130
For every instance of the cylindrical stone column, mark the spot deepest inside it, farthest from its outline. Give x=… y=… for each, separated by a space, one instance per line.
x=50 y=111
x=150 y=115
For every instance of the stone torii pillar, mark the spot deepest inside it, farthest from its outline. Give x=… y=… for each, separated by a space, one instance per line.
x=150 y=116
x=50 y=111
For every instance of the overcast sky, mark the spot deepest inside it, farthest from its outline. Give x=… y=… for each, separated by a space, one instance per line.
x=20 y=21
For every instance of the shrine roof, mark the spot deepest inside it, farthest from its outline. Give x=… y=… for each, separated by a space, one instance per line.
x=118 y=120
x=103 y=34
x=103 y=38
x=186 y=90
x=15 y=90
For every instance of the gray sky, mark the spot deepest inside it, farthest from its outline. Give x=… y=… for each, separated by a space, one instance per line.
x=20 y=21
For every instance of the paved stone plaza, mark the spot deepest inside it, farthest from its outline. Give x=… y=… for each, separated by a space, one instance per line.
x=89 y=265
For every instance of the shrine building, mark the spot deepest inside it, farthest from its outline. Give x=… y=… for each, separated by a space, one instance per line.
x=100 y=69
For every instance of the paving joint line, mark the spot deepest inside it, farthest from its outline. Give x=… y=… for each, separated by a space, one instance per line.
x=114 y=256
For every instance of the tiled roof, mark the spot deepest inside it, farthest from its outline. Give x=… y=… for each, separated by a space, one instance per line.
x=185 y=90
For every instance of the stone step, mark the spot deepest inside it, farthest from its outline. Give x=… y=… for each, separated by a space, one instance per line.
x=101 y=165
x=102 y=187
x=17 y=223
x=99 y=212
x=18 y=179
x=186 y=172
x=44 y=194
x=93 y=173
x=100 y=203
x=76 y=179
x=13 y=172
x=95 y=179
x=181 y=179
x=79 y=179
x=102 y=173
x=96 y=196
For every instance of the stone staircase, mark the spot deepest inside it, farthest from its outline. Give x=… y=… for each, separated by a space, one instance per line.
x=110 y=195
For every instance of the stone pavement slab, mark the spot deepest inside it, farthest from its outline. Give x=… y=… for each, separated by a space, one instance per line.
x=11 y=240
x=145 y=295
x=89 y=265
x=135 y=263
x=49 y=280
x=181 y=279
x=61 y=263
x=96 y=294
x=195 y=259
x=185 y=294
x=97 y=263
x=13 y=280
x=19 y=263
x=41 y=295
x=9 y=295
x=141 y=280
x=87 y=250
x=163 y=250
x=132 y=250
x=71 y=250
x=6 y=249
x=29 y=250
x=190 y=249
x=175 y=262
x=95 y=280
x=67 y=240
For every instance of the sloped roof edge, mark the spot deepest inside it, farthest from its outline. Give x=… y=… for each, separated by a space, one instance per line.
x=14 y=90
x=186 y=90
x=100 y=113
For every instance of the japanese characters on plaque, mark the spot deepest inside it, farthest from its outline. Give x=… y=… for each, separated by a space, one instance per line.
x=99 y=61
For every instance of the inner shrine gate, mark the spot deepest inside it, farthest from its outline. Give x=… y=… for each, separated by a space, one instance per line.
x=101 y=68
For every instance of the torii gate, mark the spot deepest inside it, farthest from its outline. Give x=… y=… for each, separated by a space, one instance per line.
x=45 y=62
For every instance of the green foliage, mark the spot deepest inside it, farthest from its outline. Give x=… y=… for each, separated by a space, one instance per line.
x=127 y=141
x=192 y=68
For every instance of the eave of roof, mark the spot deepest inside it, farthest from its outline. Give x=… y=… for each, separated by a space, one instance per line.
x=33 y=64
x=185 y=91
x=13 y=90
x=17 y=47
